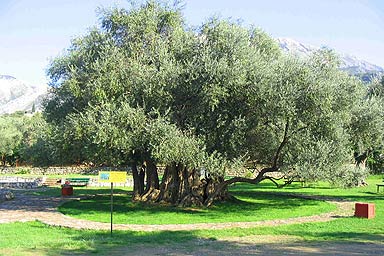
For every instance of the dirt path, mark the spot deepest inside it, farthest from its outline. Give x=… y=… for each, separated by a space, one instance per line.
x=27 y=207
x=255 y=245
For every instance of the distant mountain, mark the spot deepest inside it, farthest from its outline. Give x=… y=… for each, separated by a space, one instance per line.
x=16 y=95
x=350 y=63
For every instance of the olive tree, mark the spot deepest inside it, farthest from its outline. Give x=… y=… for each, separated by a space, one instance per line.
x=368 y=128
x=145 y=90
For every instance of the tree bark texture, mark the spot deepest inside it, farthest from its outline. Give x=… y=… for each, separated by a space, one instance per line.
x=180 y=185
x=3 y=160
x=138 y=182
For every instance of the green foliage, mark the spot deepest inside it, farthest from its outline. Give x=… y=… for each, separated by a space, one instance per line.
x=376 y=88
x=107 y=133
x=23 y=171
x=11 y=132
x=375 y=161
x=169 y=144
x=37 y=144
x=367 y=125
x=26 y=140
x=142 y=85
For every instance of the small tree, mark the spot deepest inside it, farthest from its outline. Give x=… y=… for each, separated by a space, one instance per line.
x=369 y=128
x=10 y=137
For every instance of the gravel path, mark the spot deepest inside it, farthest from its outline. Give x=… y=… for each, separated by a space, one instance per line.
x=27 y=207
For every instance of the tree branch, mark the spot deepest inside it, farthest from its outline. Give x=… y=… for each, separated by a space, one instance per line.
x=273 y=180
x=223 y=185
x=282 y=144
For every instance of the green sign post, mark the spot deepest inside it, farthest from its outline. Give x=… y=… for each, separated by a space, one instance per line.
x=111 y=207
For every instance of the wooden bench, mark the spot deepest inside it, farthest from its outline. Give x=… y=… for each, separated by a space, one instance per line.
x=51 y=182
x=288 y=181
x=77 y=182
x=379 y=185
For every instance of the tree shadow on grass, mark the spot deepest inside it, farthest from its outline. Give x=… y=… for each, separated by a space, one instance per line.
x=184 y=243
x=123 y=204
x=77 y=191
x=190 y=243
x=342 y=236
x=44 y=200
x=362 y=197
x=258 y=208
x=271 y=186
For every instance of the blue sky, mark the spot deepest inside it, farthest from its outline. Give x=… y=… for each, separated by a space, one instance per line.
x=34 y=31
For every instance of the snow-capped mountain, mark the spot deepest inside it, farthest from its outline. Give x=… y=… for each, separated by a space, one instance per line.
x=350 y=63
x=294 y=47
x=16 y=95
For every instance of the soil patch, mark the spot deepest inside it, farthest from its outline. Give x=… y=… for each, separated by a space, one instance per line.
x=255 y=245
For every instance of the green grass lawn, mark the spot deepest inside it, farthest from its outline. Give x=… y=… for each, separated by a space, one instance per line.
x=343 y=229
x=34 y=238
x=252 y=206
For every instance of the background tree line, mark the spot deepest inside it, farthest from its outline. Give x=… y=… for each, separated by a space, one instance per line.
x=26 y=140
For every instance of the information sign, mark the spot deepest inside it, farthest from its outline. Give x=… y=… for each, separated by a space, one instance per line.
x=112 y=176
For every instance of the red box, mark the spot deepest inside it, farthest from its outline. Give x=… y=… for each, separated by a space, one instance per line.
x=365 y=210
x=67 y=191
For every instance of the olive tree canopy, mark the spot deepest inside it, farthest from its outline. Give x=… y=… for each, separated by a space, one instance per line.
x=145 y=90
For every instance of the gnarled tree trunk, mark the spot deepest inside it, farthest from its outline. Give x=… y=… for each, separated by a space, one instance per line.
x=148 y=191
x=184 y=186
x=151 y=192
x=169 y=188
x=180 y=185
x=361 y=160
x=3 y=160
x=138 y=182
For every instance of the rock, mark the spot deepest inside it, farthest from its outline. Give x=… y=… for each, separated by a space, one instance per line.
x=6 y=195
